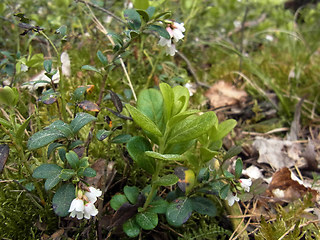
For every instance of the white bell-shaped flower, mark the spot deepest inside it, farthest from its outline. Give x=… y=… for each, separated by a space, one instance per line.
x=232 y=198
x=93 y=194
x=76 y=208
x=89 y=210
x=245 y=184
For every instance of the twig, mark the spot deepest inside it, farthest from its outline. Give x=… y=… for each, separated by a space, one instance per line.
x=101 y=9
x=192 y=71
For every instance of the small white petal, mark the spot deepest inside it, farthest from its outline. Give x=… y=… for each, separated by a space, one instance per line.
x=24 y=68
x=90 y=210
x=164 y=42
x=245 y=184
x=179 y=26
x=93 y=194
x=171 y=50
x=177 y=35
x=66 y=68
x=76 y=205
x=232 y=198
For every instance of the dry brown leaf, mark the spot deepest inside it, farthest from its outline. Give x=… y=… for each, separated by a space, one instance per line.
x=223 y=94
x=286 y=187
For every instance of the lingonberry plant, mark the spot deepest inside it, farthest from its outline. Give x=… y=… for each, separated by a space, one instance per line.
x=178 y=148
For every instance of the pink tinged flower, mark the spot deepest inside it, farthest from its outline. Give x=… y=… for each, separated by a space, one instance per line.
x=232 y=198
x=245 y=184
x=93 y=194
x=164 y=42
x=170 y=31
x=76 y=208
x=90 y=210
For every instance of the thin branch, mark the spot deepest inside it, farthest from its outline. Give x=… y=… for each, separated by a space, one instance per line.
x=101 y=9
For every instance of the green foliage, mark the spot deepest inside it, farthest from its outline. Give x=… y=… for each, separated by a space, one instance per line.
x=289 y=223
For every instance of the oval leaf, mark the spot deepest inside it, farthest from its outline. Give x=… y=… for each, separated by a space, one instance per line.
x=81 y=120
x=179 y=211
x=103 y=59
x=131 y=193
x=52 y=182
x=43 y=138
x=204 y=206
x=143 y=121
x=90 y=68
x=166 y=157
x=116 y=101
x=62 y=199
x=131 y=228
x=117 y=201
x=147 y=220
x=47 y=170
x=73 y=159
x=102 y=134
x=122 y=138
x=137 y=146
x=167 y=180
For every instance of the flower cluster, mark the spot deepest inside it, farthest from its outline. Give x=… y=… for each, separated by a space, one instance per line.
x=175 y=31
x=83 y=204
x=245 y=184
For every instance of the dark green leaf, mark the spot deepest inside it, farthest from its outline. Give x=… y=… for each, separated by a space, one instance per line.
x=160 y=30
x=80 y=121
x=20 y=131
x=62 y=127
x=73 y=159
x=90 y=68
x=51 y=182
x=66 y=174
x=89 y=172
x=133 y=18
x=43 y=138
x=116 y=101
x=179 y=211
x=131 y=193
x=47 y=170
x=103 y=59
x=117 y=201
x=233 y=151
x=238 y=168
x=158 y=206
x=203 y=206
x=150 y=11
x=131 y=228
x=223 y=193
x=52 y=147
x=167 y=180
x=122 y=138
x=116 y=38
x=147 y=220
x=203 y=175
x=137 y=146
x=143 y=14
x=75 y=144
x=47 y=64
x=103 y=134
x=62 y=199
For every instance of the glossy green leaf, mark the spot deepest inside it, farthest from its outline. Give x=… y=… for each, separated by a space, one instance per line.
x=203 y=206
x=160 y=30
x=90 y=68
x=137 y=146
x=47 y=64
x=150 y=103
x=62 y=199
x=53 y=146
x=179 y=211
x=181 y=116
x=80 y=121
x=167 y=180
x=52 y=182
x=166 y=157
x=238 y=168
x=158 y=206
x=66 y=174
x=47 y=170
x=43 y=138
x=147 y=220
x=62 y=127
x=74 y=144
x=143 y=121
x=133 y=18
x=117 y=201
x=122 y=138
x=103 y=134
x=143 y=14
x=131 y=193
x=192 y=127
x=102 y=58
x=20 y=131
x=131 y=228
x=89 y=172
x=73 y=159
x=222 y=130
